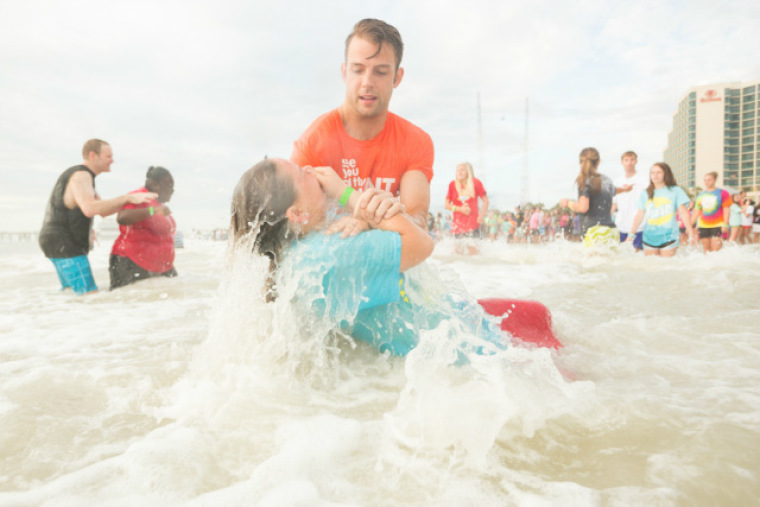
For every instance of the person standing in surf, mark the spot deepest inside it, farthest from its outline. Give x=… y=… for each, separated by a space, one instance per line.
x=594 y=205
x=66 y=230
x=711 y=213
x=462 y=201
x=625 y=205
x=370 y=148
x=657 y=208
x=145 y=246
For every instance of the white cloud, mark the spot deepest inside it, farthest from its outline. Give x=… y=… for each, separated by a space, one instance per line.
x=207 y=88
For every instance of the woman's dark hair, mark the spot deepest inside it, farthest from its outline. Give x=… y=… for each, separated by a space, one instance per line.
x=156 y=174
x=669 y=179
x=258 y=214
x=589 y=159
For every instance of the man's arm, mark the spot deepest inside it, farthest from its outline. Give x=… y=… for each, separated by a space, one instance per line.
x=414 y=191
x=80 y=192
x=414 y=200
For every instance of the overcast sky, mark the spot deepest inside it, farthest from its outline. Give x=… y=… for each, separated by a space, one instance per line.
x=206 y=88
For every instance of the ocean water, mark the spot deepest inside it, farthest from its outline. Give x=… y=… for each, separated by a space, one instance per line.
x=191 y=392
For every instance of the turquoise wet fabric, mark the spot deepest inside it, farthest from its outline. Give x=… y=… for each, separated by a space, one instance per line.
x=342 y=276
x=661 y=214
x=356 y=282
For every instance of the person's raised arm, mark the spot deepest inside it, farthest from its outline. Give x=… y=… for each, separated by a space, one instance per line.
x=83 y=196
x=416 y=243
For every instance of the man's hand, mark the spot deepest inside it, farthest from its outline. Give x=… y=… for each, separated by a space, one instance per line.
x=141 y=197
x=378 y=204
x=163 y=210
x=348 y=226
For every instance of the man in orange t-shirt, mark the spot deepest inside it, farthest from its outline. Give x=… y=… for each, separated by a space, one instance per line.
x=372 y=149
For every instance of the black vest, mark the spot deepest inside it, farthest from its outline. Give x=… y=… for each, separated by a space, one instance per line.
x=65 y=232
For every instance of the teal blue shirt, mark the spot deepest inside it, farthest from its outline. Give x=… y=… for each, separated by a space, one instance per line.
x=356 y=282
x=661 y=218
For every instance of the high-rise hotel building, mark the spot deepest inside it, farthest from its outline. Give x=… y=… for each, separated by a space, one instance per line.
x=716 y=129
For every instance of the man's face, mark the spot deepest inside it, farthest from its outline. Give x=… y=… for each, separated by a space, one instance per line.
x=103 y=161
x=629 y=163
x=369 y=81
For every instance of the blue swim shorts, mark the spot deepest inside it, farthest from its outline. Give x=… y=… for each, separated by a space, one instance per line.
x=75 y=272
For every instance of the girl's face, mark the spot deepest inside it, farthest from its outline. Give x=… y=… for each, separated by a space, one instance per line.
x=461 y=173
x=657 y=175
x=311 y=200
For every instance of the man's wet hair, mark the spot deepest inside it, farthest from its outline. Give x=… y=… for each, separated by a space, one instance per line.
x=378 y=32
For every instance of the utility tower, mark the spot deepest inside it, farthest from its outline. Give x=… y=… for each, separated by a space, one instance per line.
x=525 y=179
x=481 y=167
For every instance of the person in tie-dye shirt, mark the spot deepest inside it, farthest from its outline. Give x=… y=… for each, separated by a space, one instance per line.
x=711 y=214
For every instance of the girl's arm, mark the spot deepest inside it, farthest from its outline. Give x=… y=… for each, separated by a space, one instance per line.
x=636 y=222
x=581 y=206
x=683 y=214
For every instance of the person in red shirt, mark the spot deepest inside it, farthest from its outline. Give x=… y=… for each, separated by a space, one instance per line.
x=145 y=246
x=370 y=148
x=462 y=200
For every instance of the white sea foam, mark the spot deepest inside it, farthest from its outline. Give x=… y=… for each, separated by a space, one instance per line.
x=192 y=391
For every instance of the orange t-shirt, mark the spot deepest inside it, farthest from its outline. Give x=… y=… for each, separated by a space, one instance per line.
x=400 y=147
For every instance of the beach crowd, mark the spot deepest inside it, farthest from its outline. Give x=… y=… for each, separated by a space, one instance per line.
x=383 y=164
x=638 y=201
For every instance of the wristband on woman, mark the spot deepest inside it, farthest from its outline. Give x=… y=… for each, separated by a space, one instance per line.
x=150 y=210
x=345 y=197
x=453 y=208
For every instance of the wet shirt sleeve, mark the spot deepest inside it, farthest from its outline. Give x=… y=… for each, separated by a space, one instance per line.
x=339 y=277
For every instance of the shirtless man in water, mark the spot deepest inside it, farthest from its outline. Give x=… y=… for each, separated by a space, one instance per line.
x=372 y=149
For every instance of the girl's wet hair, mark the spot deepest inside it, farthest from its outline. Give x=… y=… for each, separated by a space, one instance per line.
x=589 y=159
x=258 y=218
x=156 y=174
